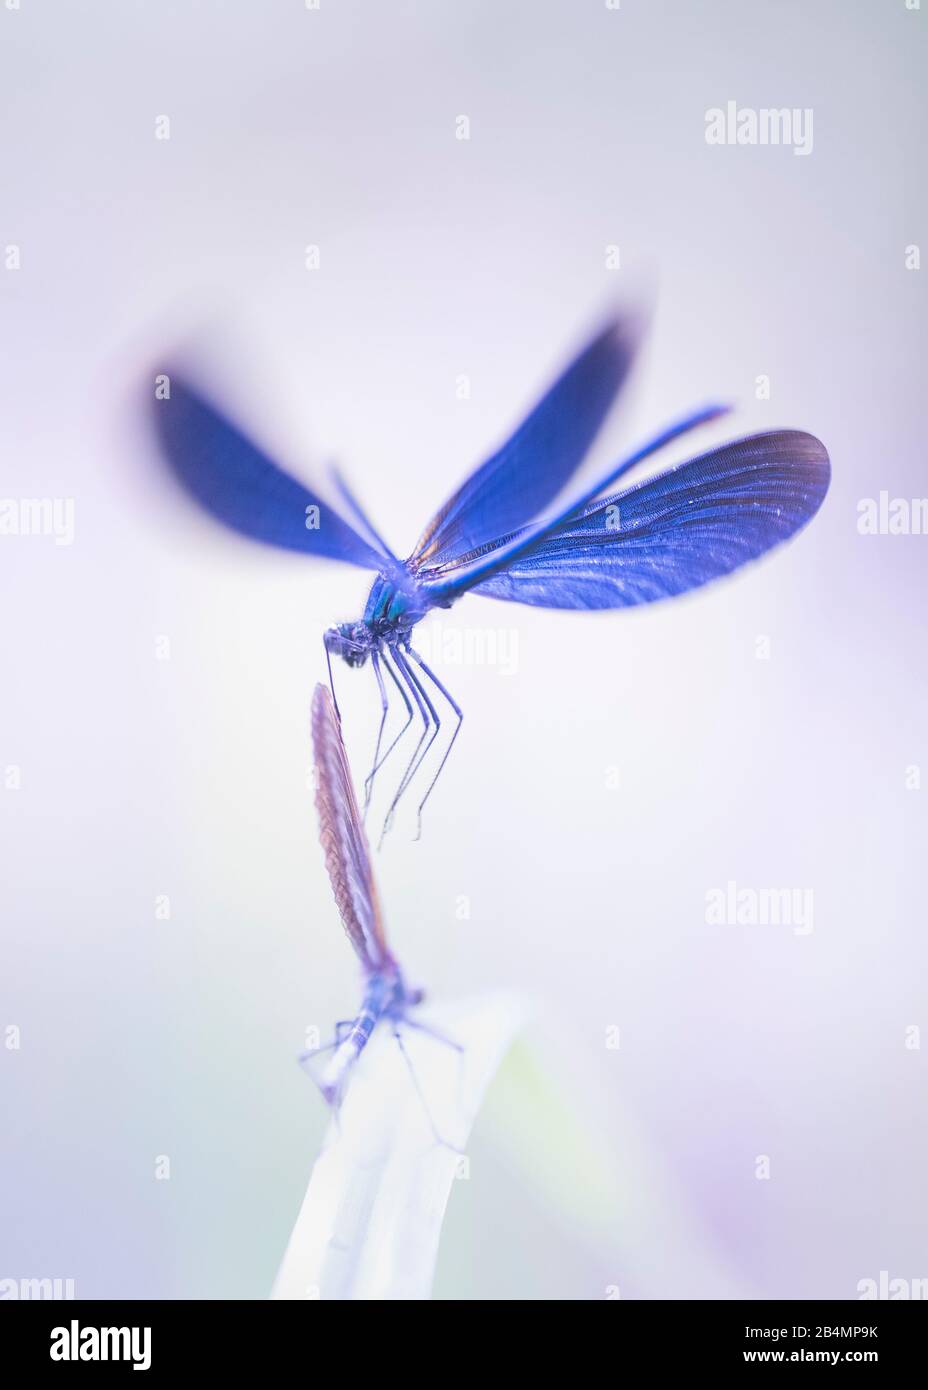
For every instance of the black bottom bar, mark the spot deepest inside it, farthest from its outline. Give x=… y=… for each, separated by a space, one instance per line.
x=112 y=1338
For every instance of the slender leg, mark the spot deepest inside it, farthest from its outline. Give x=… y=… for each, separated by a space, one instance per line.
x=314 y=1051
x=433 y=1033
x=457 y=729
x=328 y=662
x=409 y=717
x=341 y=1030
x=418 y=1089
x=384 y=707
x=415 y=691
x=440 y=1037
x=434 y=714
x=426 y=709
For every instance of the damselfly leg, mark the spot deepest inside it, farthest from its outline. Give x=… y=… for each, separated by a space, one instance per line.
x=435 y=727
x=434 y=1034
x=457 y=729
x=384 y=710
x=406 y=680
x=439 y=1138
x=312 y=1052
x=328 y=662
x=369 y=781
x=415 y=690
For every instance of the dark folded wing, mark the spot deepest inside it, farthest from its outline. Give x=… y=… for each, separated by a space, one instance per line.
x=237 y=484
x=347 y=857
x=528 y=472
x=668 y=534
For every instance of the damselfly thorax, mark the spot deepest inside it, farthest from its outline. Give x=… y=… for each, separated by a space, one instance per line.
x=386 y=997
x=392 y=610
x=394 y=607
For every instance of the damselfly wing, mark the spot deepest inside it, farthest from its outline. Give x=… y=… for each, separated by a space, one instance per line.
x=655 y=540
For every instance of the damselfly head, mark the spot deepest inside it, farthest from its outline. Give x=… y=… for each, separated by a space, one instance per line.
x=351 y=641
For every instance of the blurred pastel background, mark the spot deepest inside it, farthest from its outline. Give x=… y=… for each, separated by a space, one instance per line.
x=157 y=672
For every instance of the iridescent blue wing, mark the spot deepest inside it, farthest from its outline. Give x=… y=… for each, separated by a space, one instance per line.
x=341 y=831
x=229 y=476
x=528 y=472
x=669 y=534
